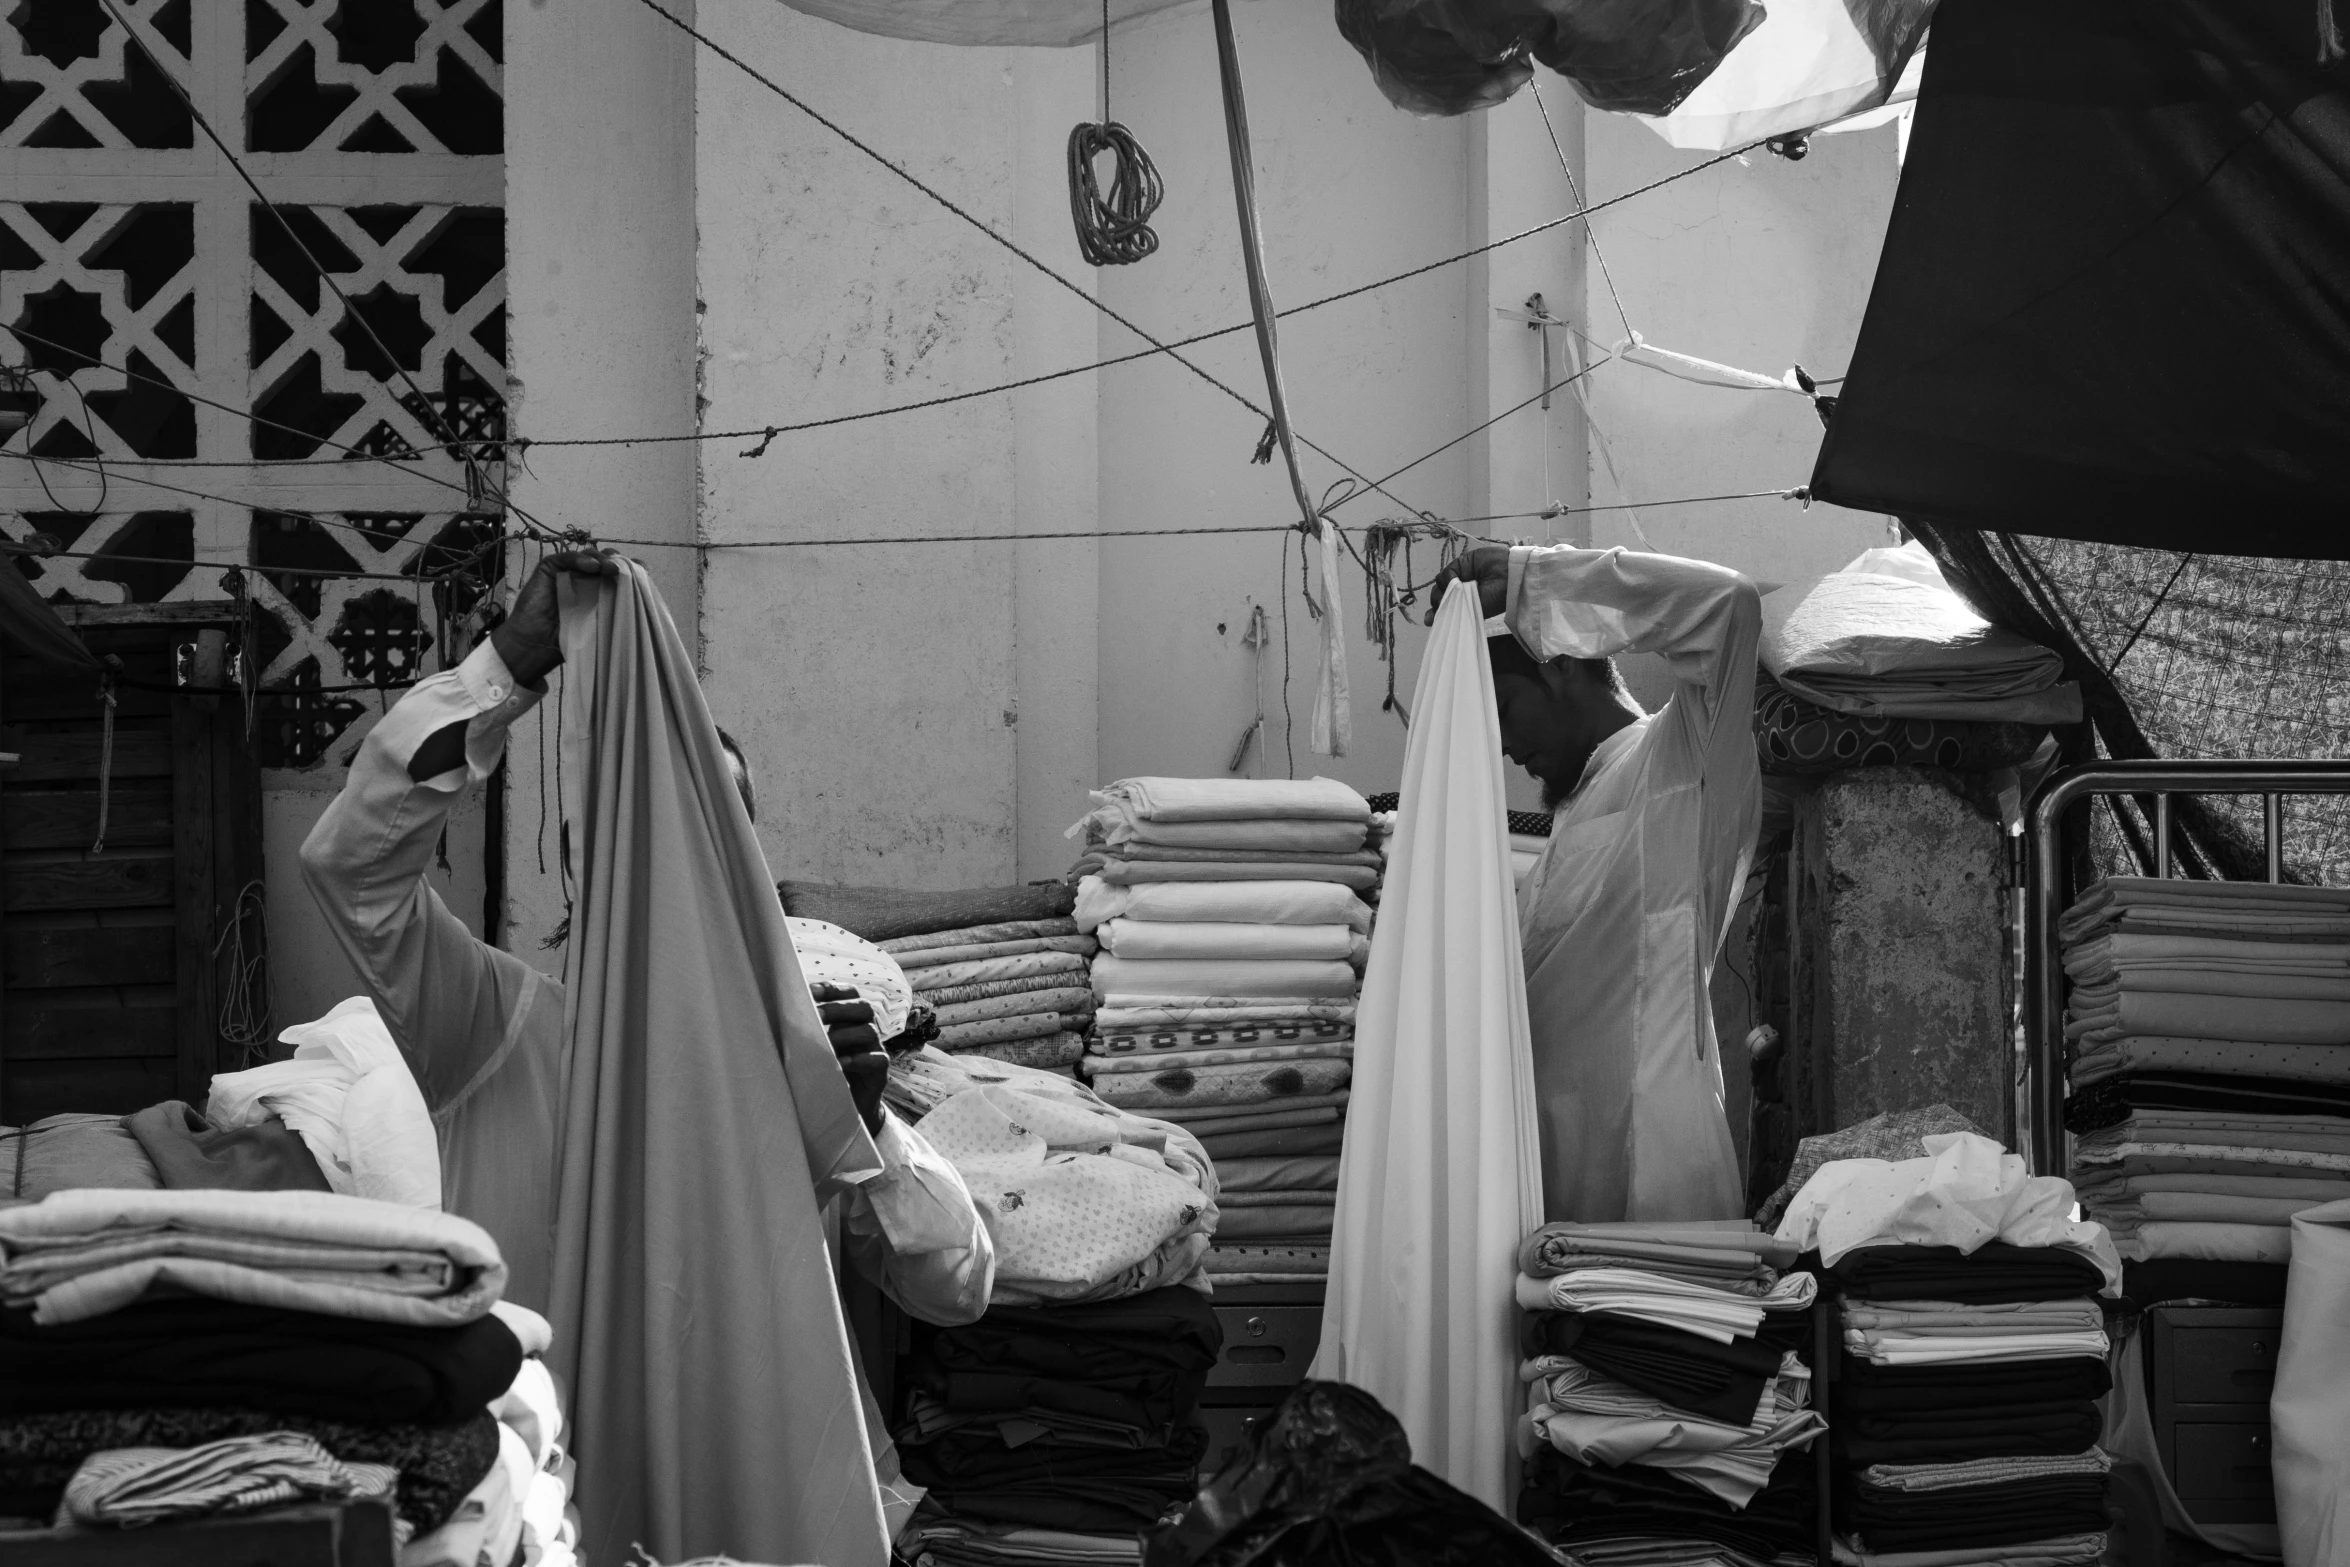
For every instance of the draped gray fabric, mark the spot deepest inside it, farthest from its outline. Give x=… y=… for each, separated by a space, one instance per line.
x=694 y=1304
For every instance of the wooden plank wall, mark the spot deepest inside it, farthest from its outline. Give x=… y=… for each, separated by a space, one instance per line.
x=109 y=986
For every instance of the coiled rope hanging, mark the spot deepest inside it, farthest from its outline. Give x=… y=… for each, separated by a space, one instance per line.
x=1113 y=229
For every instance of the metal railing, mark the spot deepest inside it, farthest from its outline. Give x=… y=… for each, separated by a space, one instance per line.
x=2048 y=893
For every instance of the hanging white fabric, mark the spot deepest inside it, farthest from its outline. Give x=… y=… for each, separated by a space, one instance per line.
x=2310 y=1410
x=982 y=23
x=1810 y=62
x=1640 y=351
x=1441 y=1178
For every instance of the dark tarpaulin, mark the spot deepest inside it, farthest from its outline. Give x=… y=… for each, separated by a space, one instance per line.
x=29 y=625
x=2114 y=300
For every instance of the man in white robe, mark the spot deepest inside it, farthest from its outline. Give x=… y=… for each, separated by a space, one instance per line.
x=1653 y=824
x=483 y=1031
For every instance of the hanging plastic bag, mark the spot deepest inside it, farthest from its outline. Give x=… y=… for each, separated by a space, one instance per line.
x=1810 y=62
x=1451 y=56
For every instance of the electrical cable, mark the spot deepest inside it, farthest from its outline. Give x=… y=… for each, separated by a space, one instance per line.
x=1112 y=230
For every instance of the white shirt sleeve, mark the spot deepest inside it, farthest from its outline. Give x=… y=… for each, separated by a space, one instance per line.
x=915 y=1232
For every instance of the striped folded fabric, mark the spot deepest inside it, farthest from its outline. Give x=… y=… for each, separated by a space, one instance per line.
x=128 y=1486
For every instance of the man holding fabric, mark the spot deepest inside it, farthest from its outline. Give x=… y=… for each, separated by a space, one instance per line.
x=483 y=1030
x=1653 y=824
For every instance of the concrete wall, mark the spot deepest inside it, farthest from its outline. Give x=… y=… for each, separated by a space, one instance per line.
x=600 y=313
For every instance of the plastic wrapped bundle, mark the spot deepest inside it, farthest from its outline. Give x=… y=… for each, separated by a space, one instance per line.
x=1452 y=56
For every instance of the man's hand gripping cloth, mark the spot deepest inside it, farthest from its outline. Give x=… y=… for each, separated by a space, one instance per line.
x=1440 y=1177
x=696 y=1315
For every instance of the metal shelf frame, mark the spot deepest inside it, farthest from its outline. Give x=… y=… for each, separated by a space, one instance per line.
x=2049 y=892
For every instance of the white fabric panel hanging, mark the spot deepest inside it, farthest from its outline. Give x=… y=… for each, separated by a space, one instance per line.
x=1808 y=63
x=980 y=23
x=2310 y=1410
x=1441 y=1178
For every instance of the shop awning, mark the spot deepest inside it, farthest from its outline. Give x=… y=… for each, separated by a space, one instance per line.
x=2114 y=301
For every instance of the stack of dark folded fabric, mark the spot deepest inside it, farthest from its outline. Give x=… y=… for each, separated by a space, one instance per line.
x=1234 y=920
x=1003 y=969
x=1055 y=1433
x=172 y=1355
x=1669 y=1388
x=1965 y=1419
x=2209 y=1030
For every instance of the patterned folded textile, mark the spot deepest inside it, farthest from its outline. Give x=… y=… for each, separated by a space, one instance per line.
x=1894 y=1135
x=975 y=952
x=979 y=935
x=1287 y=1222
x=1023 y=965
x=2095 y=1060
x=1321 y=1138
x=1005 y=1030
x=1048 y=1053
x=1217 y=1115
x=84 y=1253
x=1065 y=998
x=1122 y=1041
x=1207 y=941
x=129 y=1486
x=886 y=914
x=1308 y=1172
x=1323 y=1015
x=942 y=996
x=1115 y=978
x=1244 y=1083
x=62 y=1152
x=1339 y=1049
x=1266 y=1262
x=1340 y=869
x=1265 y=1120
x=436 y=1464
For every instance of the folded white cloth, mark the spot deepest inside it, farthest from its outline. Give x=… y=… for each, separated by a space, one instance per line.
x=1235 y=799
x=1596 y=1420
x=1182 y=1013
x=1113 y=826
x=1157 y=940
x=126 y=1487
x=1238 y=902
x=348 y=1094
x=1983 y=1471
x=1936 y=1349
x=83 y=1253
x=1966 y=1191
x=1721 y=1315
x=1125 y=981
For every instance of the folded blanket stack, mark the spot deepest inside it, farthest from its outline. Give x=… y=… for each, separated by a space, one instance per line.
x=1233 y=920
x=2209 y=1030
x=1966 y=1412
x=173 y=1354
x=1667 y=1377
x=1054 y=1434
x=1002 y=969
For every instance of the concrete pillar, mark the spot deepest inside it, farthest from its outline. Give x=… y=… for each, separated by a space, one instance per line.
x=1901 y=973
x=601 y=324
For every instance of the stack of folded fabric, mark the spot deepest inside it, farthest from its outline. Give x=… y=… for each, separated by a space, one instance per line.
x=1003 y=970
x=1056 y=1433
x=1529 y=832
x=1964 y=1418
x=2209 y=1029
x=1667 y=1382
x=167 y=1355
x=1233 y=924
